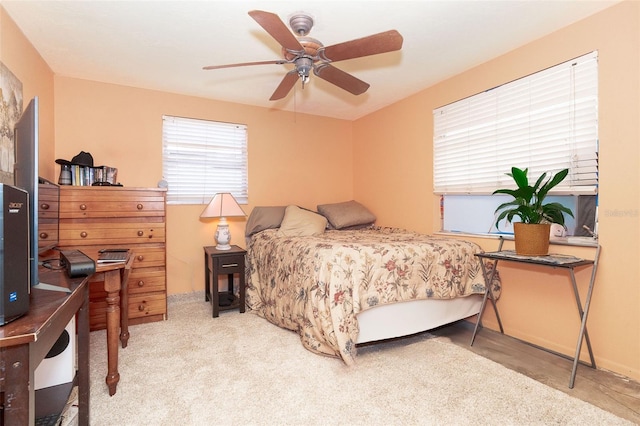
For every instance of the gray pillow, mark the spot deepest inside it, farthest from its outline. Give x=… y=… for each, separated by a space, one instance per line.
x=346 y=214
x=262 y=218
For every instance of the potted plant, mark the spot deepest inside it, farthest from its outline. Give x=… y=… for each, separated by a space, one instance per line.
x=531 y=233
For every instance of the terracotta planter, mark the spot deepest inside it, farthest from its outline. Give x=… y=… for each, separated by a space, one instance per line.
x=532 y=239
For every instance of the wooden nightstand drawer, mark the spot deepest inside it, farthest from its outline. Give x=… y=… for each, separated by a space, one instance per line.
x=231 y=264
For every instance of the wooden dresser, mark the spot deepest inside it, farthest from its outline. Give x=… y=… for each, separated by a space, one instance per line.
x=94 y=218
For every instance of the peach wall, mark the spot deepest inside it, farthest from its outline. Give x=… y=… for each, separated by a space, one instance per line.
x=293 y=158
x=17 y=53
x=307 y=160
x=392 y=175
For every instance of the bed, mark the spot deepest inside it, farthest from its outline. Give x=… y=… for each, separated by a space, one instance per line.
x=339 y=280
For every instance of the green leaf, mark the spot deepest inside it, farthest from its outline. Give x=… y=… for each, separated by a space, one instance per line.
x=520 y=177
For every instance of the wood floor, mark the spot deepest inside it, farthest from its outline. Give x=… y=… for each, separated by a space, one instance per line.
x=609 y=391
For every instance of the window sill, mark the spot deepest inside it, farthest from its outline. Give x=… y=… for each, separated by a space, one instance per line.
x=567 y=241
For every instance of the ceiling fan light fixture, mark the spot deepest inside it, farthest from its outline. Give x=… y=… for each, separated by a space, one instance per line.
x=304 y=66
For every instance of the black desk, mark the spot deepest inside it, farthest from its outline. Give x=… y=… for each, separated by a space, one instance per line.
x=25 y=342
x=568 y=263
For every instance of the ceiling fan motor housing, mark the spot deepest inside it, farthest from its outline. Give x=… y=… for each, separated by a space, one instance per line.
x=301 y=24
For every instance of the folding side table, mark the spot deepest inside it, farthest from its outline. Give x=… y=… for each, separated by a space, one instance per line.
x=568 y=263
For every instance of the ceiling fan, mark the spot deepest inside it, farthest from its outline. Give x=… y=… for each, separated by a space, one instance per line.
x=308 y=54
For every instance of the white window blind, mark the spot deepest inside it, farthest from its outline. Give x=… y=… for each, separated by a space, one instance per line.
x=202 y=158
x=547 y=121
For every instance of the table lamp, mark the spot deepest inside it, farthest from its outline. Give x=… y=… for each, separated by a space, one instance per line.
x=222 y=205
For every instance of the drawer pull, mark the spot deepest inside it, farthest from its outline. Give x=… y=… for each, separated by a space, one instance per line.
x=141 y=307
x=140 y=233
x=44 y=235
x=230 y=265
x=140 y=258
x=140 y=283
x=139 y=206
x=83 y=234
x=83 y=206
x=44 y=206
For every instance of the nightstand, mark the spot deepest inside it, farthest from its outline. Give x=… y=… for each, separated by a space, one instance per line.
x=224 y=262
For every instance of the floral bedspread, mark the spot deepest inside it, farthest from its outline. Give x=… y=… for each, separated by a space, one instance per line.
x=317 y=285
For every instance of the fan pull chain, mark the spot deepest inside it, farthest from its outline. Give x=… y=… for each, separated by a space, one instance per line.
x=295 y=105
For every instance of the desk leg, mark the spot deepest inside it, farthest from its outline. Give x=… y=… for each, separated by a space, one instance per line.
x=112 y=287
x=584 y=334
x=83 y=360
x=124 y=307
x=18 y=400
x=487 y=295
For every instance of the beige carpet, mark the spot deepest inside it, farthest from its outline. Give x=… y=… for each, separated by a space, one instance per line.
x=239 y=369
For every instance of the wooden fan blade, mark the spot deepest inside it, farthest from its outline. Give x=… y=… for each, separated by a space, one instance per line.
x=341 y=79
x=285 y=85
x=244 y=64
x=277 y=29
x=387 y=41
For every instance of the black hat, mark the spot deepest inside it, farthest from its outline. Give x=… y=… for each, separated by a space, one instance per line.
x=82 y=159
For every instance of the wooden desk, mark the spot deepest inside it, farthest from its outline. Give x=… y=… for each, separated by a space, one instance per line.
x=25 y=342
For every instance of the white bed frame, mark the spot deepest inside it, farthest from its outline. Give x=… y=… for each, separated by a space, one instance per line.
x=406 y=318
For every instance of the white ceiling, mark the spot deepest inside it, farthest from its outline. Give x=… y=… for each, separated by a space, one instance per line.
x=163 y=45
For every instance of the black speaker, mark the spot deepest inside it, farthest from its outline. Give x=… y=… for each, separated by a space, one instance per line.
x=14 y=253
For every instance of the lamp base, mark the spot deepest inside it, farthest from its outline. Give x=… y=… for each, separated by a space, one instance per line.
x=223 y=236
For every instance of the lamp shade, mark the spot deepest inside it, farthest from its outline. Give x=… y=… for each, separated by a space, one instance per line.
x=222 y=205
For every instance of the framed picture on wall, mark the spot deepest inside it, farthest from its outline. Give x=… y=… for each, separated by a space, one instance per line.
x=10 y=111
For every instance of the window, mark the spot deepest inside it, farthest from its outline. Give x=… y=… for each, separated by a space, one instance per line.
x=202 y=158
x=546 y=122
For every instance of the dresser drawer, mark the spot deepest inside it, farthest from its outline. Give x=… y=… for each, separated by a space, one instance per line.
x=147 y=305
x=145 y=257
x=146 y=300
x=105 y=233
x=146 y=280
x=47 y=232
x=79 y=203
x=49 y=203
